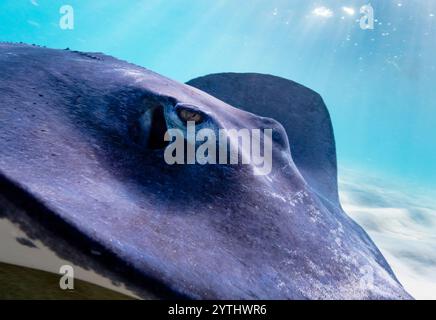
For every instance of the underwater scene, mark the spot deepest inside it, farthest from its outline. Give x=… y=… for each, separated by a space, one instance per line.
x=339 y=202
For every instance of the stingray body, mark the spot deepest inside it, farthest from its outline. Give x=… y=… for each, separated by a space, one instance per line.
x=81 y=136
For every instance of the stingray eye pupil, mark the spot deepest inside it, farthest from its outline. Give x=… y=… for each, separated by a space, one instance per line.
x=187 y=115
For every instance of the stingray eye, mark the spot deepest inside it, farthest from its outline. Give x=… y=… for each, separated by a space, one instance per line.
x=187 y=115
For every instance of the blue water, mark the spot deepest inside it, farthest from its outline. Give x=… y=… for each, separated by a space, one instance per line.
x=379 y=85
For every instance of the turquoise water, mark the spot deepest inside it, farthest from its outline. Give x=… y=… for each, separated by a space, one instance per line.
x=379 y=85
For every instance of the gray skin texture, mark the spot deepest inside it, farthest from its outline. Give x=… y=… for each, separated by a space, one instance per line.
x=75 y=134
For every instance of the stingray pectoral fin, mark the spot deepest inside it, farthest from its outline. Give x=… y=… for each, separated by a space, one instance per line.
x=300 y=110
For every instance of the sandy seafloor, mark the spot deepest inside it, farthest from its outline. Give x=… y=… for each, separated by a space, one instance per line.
x=401 y=220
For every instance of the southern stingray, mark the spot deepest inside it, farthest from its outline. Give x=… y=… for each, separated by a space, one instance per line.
x=85 y=170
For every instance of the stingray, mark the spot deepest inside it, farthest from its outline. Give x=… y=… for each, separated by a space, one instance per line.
x=82 y=164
